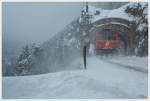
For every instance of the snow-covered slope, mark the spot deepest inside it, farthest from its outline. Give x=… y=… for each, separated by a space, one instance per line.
x=65 y=46
x=59 y=50
x=100 y=80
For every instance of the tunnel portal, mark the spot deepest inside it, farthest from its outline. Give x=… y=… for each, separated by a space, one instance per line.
x=121 y=26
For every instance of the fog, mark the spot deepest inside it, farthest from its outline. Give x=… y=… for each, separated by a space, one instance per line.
x=25 y=23
x=36 y=22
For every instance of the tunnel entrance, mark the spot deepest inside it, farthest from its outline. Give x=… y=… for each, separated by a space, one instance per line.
x=115 y=35
x=109 y=41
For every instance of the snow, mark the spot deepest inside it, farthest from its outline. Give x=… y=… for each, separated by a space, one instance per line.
x=105 y=77
x=91 y=49
x=72 y=40
x=141 y=26
x=138 y=63
x=101 y=80
x=133 y=61
x=115 y=13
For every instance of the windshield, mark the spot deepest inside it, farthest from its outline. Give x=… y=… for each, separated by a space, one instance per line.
x=107 y=35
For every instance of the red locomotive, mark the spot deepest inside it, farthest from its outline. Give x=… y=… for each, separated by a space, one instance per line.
x=107 y=41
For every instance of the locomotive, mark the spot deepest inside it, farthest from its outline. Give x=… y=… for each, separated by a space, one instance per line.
x=107 y=41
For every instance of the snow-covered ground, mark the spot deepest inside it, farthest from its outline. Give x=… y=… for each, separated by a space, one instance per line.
x=101 y=80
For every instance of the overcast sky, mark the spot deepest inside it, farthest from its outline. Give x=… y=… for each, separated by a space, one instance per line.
x=36 y=22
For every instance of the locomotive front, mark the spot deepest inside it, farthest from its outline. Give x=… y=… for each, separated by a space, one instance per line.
x=107 y=41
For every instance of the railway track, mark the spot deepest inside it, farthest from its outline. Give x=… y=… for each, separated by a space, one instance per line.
x=135 y=68
x=138 y=69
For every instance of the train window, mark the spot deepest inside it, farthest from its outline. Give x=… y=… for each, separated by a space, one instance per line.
x=106 y=35
x=110 y=37
x=101 y=36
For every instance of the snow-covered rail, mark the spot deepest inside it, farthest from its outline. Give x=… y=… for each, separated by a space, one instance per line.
x=138 y=69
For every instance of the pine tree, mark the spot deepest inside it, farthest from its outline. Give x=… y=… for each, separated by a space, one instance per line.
x=24 y=62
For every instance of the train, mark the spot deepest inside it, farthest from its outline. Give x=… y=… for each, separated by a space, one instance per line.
x=107 y=41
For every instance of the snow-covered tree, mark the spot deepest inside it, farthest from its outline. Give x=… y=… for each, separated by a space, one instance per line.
x=24 y=62
x=139 y=12
x=36 y=50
